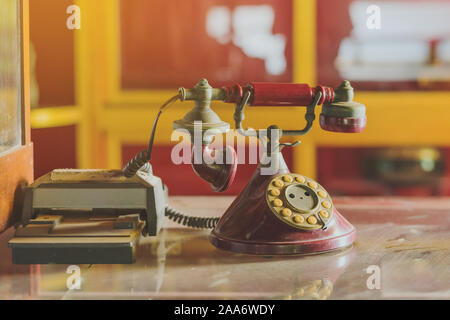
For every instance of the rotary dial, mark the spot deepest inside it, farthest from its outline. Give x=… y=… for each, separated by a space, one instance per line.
x=299 y=201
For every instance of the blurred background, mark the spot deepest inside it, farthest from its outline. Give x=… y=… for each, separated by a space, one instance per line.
x=96 y=90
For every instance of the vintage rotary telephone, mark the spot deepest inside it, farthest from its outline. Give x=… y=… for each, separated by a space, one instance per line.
x=97 y=216
x=278 y=212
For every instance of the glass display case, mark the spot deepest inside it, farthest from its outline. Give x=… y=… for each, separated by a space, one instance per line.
x=16 y=156
x=10 y=78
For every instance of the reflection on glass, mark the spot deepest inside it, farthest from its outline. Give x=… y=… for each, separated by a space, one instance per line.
x=10 y=105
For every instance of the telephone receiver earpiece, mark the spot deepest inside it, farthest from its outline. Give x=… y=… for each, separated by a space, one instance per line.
x=343 y=114
x=217 y=166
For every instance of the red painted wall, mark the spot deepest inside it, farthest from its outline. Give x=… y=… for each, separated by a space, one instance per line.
x=53 y=148
x=165 y=45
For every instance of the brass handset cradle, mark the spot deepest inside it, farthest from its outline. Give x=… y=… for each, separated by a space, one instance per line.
x=309 y=116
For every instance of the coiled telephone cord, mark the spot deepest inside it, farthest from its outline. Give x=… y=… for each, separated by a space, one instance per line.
x=189 y=221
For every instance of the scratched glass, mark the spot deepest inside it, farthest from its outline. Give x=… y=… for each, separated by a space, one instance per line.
x=10 y=76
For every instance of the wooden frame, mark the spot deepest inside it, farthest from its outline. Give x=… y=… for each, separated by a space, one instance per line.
x=16 y=166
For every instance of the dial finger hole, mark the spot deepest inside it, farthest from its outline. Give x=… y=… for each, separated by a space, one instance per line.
x=322 y=193
x=275 y=192
x=286 y=212
x=326 y=204
x=299 y=219
x=324 y=214
x=312 y=184
x=277 y=203
x=312 y=220
x=278 y=183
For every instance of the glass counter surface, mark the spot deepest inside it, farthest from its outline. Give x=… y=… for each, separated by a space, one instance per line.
x=402 y=245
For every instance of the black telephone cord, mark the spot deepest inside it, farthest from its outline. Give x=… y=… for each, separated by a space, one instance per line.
x=189 y=221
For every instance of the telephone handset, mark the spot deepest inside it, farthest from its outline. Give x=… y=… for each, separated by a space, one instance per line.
x=276 y=213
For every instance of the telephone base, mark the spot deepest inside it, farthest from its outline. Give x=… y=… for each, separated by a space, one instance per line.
x=285 y=213
x=282 y=242
x=94 y=216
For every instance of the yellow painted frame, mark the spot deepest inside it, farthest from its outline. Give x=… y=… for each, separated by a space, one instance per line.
x=112 y=116
x=59 y=116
